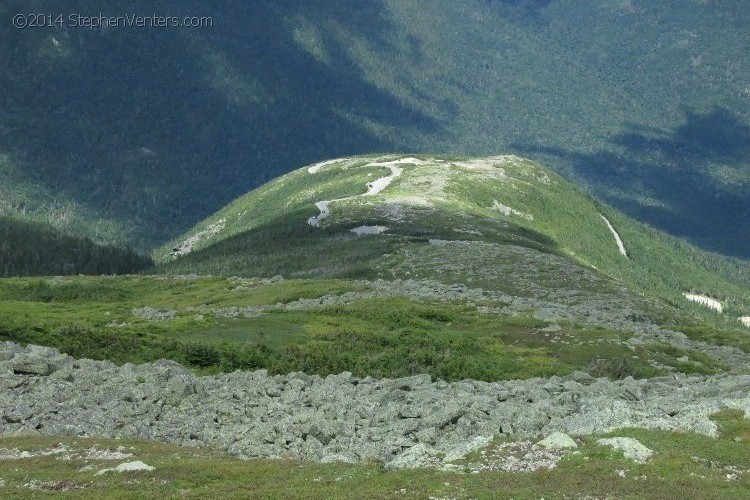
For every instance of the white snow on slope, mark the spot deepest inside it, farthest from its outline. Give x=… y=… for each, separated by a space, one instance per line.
x=705 y=301
x=620 y=246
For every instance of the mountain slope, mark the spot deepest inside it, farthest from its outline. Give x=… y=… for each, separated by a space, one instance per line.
x=133 y=135
x=502 y=239
x=409 y=200
x=35 y=249
x=392 y=265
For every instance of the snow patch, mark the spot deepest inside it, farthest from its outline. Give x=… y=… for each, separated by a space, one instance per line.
x=705 y=301
x=620 y=246
x=368 y=230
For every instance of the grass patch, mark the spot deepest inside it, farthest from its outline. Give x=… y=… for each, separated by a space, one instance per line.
x=684 y=466
x=103 y=318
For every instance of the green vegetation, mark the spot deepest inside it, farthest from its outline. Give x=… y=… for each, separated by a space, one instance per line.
x=217 y=324
x=454 y=202
x=132 y=136
x=34 y=249
x=684 y=466
x=507 y=226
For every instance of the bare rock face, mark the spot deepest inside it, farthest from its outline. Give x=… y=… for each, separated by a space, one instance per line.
x=403 y=422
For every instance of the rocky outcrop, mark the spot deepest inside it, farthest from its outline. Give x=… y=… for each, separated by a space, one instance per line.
x=630 y=448
x=402 y=422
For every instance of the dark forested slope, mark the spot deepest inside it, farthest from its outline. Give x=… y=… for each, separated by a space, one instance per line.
x=131 y=135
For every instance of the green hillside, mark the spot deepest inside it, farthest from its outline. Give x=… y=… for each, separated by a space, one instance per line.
x=505 y=200
x=35 y=249
x=482 y=268
x=133 y=135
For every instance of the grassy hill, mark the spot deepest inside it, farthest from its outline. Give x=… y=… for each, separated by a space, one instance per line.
x=132 y=135
x=499 y=200
x=483 y=268
x=462 y=268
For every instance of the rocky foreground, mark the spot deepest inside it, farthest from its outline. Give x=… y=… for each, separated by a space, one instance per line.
x=403 y=422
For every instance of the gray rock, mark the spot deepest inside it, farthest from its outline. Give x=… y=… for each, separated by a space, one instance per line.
x=403 y=422
x=26 y=365
x=465 y=447
x=557 y=440
x=411 y=458
x=631 y=448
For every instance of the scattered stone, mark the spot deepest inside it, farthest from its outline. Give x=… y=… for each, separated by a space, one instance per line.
x=631 y=448
x=551 y=328
x=152 y=314
x=412 y=458
x=513 y=456
x=557 y=440
x=464 y=448
x=53 y=485
x=16 y=454
x=95 y=454
x=127 y=467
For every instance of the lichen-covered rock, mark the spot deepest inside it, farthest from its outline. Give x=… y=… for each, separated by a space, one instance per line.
x=631 y=448
x=557 y=440
x=402 y=422
x=410 y=458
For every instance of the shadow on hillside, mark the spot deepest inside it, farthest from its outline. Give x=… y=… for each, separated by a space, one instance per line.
x=679 y=169
x=164 y=126
x=521 y=10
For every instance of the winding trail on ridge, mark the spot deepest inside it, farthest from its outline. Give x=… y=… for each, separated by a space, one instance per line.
x=373 y=187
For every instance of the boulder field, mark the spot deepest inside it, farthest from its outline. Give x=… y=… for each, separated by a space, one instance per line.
x=405 y=422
